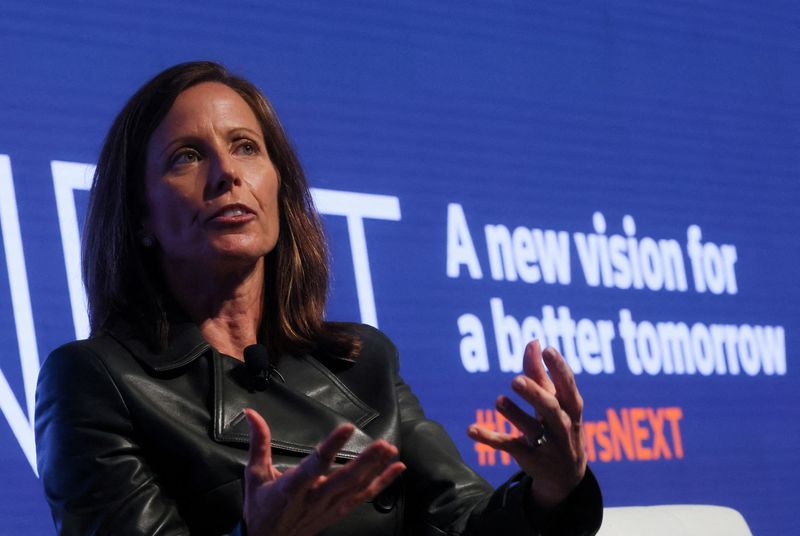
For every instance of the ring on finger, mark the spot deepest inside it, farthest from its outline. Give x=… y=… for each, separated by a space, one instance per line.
x=539 y=440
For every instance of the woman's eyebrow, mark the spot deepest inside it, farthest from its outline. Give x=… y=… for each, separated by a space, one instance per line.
x=180 y=140
x=244 y=130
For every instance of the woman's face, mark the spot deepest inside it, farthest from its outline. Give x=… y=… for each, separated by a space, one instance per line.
x=211 y=188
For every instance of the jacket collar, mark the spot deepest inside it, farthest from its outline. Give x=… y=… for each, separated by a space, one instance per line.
x=300 y=413
x=185 y=344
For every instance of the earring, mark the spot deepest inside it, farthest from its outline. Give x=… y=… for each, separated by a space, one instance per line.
x=147 y=240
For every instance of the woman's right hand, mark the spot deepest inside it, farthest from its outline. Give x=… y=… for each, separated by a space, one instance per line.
x=306 y=499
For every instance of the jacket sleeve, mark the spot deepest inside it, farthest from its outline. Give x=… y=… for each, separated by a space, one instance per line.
x=449 y=498
x=95 y=476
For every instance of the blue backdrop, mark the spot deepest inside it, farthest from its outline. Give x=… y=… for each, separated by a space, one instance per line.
x=618 y=178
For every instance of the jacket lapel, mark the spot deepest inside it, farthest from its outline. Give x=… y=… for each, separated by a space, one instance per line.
x=300 y=413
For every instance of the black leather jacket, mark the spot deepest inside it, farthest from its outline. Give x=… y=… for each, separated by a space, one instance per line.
x=134 y=442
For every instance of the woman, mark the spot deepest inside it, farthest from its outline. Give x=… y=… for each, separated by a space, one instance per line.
x=200 y=241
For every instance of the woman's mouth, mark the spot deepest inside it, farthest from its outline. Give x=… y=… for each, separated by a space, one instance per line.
x=232 y=214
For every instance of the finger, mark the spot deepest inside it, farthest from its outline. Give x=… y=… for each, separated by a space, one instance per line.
x=335 y=441
x=566 y=388
x=534 y=367
x=514 y=445
x=547 y=405
x=344 y=503
x=527 y=424
x=318 y=462
x=381 y=482
x=260 y=454
x=356 y=474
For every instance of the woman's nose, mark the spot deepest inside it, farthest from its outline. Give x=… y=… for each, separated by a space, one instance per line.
x=223 y=174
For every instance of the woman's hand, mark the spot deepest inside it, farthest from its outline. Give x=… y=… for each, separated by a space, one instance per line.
x=306 y=499
x=551 y=449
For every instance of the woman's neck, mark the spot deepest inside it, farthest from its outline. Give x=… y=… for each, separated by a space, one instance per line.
x=225 y=304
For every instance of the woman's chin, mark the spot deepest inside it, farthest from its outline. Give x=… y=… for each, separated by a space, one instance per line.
x=233 y=259
x=218 y=258
x=238 y=249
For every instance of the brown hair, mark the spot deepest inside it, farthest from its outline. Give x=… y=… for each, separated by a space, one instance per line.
x=123 y=278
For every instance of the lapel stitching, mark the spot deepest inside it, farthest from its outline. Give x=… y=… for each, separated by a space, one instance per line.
x=369 y=413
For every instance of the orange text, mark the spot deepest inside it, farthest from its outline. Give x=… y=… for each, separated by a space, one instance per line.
x=641 y=434
x=633 y=434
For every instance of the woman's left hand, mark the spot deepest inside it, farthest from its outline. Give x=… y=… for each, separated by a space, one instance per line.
x=551 y=447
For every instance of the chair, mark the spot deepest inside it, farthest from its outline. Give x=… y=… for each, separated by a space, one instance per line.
x=673 y=520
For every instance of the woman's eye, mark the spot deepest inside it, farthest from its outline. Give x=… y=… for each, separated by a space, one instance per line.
x=185 y=157
x=248 y=148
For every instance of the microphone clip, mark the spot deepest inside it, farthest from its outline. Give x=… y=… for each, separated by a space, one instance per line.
x=256 y=360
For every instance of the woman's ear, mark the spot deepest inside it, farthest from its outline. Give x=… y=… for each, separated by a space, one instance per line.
x=145 y=237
